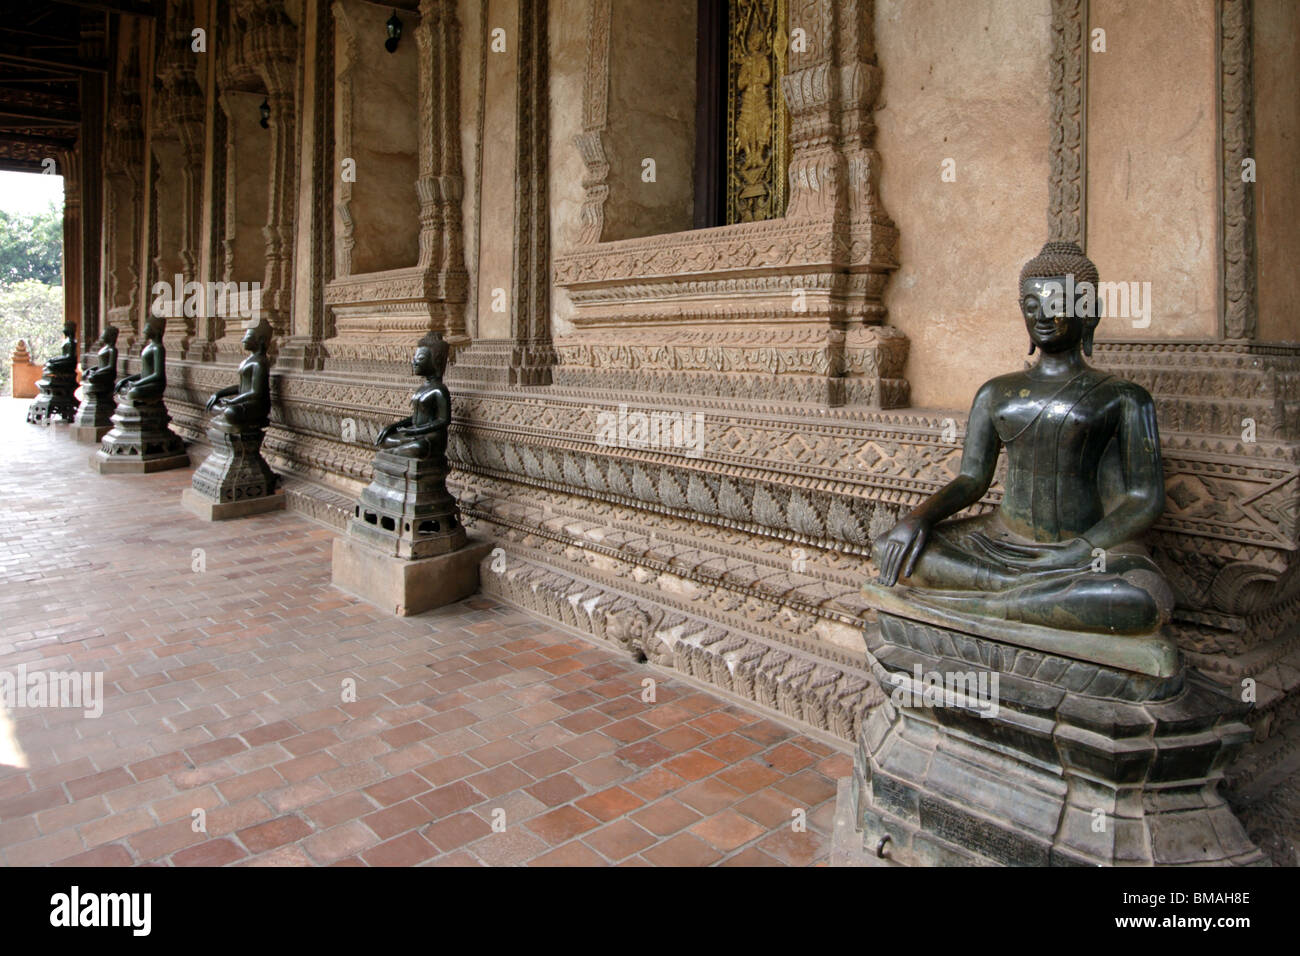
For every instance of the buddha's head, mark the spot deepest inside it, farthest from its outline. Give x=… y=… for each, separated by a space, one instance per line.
x=1058 y=298
x=430 y=359
x=154 y=326
x=109 y=335
x=257 y=336
x=70 y=330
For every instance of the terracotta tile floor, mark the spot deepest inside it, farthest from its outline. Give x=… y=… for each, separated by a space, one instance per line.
x=478 y=735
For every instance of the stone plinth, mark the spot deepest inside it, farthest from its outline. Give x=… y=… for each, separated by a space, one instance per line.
x=988 y=753
x=404 y=586
x=94 y=418
x=234 y=480
x=55 y=397
x=406 y=511
x=405 y=549
x=140 y=440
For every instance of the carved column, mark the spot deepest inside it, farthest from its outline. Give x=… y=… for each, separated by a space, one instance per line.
x=1237 y=122
x=531 y=355
x=270 y=48
x=71 y=168
x=124 y=166
x=317 y=170
x=595 y=111
x=90 y=171
x=441 y=182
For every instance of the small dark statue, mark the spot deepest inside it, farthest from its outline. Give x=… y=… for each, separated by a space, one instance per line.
x=235 y=479
x=406 y=511
x=95 y=416
x=424 y=433
x=249 y=402
x=57 y=386
x=151 y=381
x=1084 y=481
x=141 y=440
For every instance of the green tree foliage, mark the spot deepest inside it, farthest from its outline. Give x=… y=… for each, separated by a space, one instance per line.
x=31 y=247
x=32 y=311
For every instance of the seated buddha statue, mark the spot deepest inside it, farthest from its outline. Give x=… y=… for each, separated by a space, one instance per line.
x=423 y=434
x=66 y=361
x=248 y=404
x=1084 y=480
x=151 y=381
x=101 y=379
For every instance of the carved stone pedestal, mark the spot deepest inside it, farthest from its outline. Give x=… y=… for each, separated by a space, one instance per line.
x=989 y=753
x=405 y=549
x=234 y=480
x=407 y=511
x=55 y=397
x=94 y=417
x=140 y=440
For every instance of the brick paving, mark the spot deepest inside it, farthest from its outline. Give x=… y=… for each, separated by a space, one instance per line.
x=478 y=734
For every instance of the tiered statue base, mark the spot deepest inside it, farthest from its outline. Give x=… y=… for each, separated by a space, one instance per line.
x=405 y=549
x=140 y=440
x=55 y=397
x=406 y=511
x=403 y=586
x=94 y=418
x=993 y=753
x=234 y=480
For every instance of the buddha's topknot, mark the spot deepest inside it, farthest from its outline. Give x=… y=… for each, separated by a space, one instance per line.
x=1060 y=258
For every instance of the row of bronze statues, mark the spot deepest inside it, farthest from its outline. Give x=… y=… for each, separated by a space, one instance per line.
x=1084 y=477
x=1050 y=594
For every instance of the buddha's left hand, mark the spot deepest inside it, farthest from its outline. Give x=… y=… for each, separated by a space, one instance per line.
x=1075 y=553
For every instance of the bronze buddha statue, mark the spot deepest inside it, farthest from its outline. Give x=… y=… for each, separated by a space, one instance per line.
x=423 y=434
x=1084 y=481
x=151 y=381
x=56 y=389
x=248 y=403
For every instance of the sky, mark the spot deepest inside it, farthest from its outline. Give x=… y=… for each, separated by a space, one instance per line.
x=28 y=193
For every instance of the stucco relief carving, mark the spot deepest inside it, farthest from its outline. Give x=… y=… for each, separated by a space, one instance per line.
x=1237 y=120
x=1067 y=209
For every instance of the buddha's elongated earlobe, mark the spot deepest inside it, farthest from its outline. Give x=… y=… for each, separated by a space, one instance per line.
x=1032 y=346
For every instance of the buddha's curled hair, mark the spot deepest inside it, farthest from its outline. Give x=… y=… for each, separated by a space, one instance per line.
x=1060 y=258
x=438 y=349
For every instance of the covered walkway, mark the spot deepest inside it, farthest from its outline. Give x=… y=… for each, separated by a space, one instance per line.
x=227 y=657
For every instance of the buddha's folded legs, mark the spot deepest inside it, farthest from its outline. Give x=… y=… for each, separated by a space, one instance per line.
x=959 y=571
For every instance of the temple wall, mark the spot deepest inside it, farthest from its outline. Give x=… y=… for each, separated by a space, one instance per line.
x=1152 y=163
x=828 y=356
x=964 y=82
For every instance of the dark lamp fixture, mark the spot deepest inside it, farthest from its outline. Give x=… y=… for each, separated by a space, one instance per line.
x=265 y=110
x=394 y=27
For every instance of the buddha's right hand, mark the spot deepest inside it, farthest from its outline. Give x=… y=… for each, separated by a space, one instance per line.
x=901 y=548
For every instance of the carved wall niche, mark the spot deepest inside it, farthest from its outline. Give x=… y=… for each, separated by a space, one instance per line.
x=647 y=112
x=793 y=306
x=376 y=126
x=398 y=253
